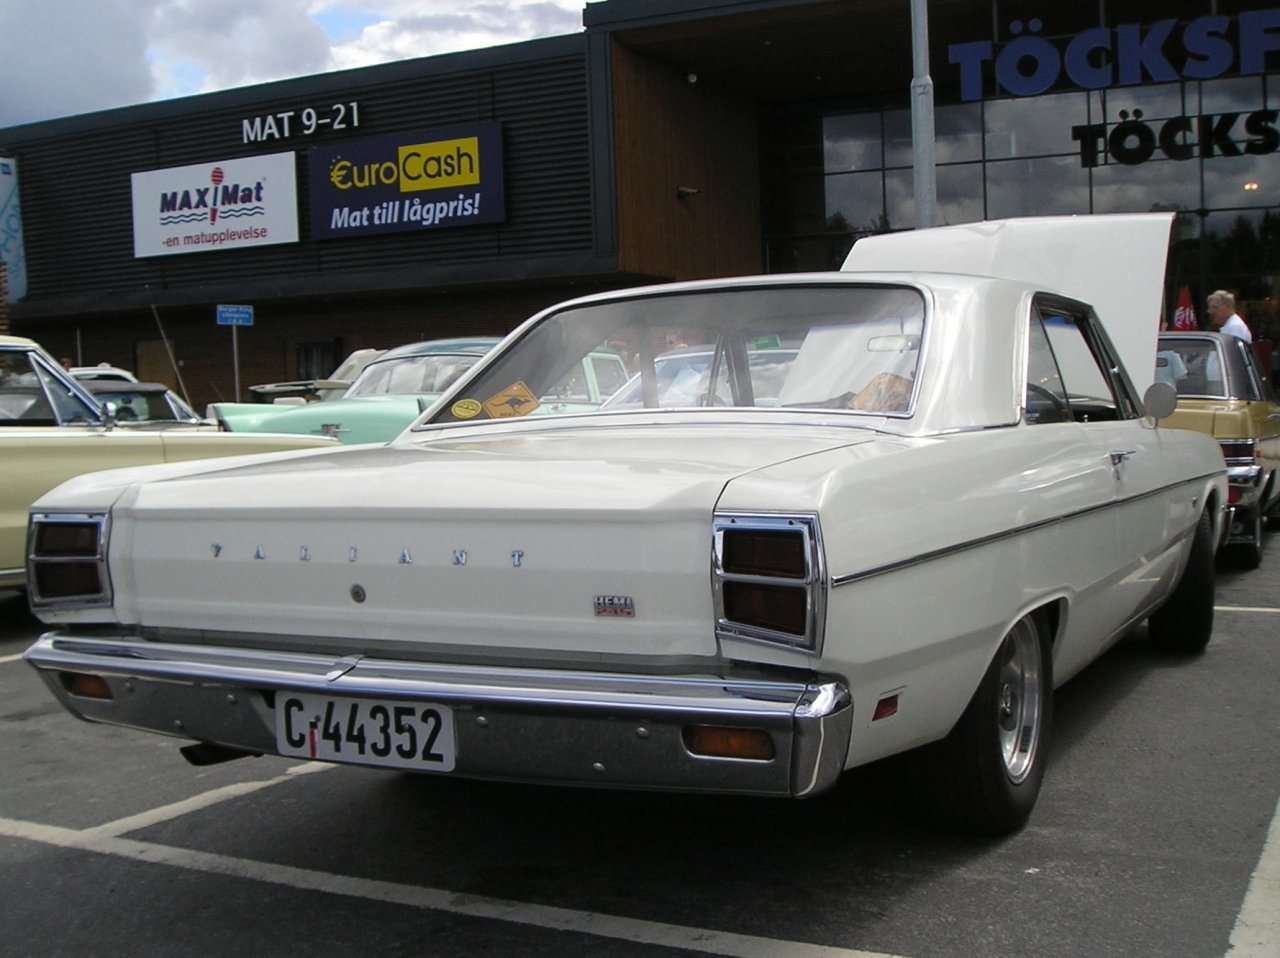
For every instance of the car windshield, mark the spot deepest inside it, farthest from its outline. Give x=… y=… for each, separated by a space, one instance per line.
x=410 y=375
x=32 y=394
x=831 y=347
x=132 y=405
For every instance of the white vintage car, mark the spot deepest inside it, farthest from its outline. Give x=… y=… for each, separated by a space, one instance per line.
x=953 y=501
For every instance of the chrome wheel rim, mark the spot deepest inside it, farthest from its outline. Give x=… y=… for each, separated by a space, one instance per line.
x=1019 y=700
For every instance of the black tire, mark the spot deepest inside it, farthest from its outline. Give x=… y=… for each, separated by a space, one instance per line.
x=1248 y=555
x=984 y=777
x=1184 y=624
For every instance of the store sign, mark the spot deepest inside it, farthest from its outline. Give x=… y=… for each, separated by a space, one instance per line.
x=13 y=252
x=222 y=204
x=306 y=121
x=412 y=181
x=1127 y=55
x=1133 y=140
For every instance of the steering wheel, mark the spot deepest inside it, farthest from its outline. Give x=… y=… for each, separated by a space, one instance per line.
x=1051 y=399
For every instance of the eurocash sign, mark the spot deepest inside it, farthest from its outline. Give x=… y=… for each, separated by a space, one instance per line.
x=13 y=251
x=413 y=181
x=1128 y=55
x=222 y=204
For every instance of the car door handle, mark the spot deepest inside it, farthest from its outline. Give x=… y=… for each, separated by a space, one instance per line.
x=1120 y=455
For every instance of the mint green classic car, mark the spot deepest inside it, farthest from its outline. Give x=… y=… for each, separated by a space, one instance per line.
x=389 y=394
x=397 y=387
x=52 y=428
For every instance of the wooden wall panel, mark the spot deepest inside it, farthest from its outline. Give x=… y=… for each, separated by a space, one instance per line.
x=671 y=133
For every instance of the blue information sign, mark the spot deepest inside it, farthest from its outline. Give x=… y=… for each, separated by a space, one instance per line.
x=235 y=315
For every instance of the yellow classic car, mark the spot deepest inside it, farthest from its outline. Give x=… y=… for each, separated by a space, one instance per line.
x=1222 y=392
x=52 y=428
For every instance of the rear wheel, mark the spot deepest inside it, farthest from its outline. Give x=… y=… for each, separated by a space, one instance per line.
x=985 y=776
x=1185 y=622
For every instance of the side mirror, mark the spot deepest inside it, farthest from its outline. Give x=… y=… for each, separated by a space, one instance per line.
x=1160 y=400
x=110 y=418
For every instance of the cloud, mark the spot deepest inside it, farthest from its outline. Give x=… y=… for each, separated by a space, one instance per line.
x=64 y=57
x=236 y=42
x=61 y=57
x=418 y=28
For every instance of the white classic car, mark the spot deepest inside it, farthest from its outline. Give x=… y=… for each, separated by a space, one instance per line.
x=953 y=501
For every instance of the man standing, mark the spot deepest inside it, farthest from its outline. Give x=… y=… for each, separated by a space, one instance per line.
x=1222 y=313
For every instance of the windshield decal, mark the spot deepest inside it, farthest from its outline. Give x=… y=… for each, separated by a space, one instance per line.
x=514 y=401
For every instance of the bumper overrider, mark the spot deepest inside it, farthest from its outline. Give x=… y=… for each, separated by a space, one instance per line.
x=1244 y=477
x=694 y=732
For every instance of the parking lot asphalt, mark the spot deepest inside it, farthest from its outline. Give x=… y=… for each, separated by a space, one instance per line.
x=1156 y=834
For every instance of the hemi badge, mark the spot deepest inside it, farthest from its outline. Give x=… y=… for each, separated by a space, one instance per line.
x=615 y=605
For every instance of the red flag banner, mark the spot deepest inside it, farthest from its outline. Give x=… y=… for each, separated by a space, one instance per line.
x=1185 y=316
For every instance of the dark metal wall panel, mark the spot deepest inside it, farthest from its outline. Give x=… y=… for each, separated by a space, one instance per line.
x=77 y=202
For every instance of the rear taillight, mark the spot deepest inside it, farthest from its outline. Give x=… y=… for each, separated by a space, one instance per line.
x=768 y=577
x=67 y=560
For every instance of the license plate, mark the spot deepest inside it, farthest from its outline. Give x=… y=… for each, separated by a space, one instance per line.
x=365 y=731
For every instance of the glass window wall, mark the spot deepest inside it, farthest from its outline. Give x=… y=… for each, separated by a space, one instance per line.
x=1207 y=149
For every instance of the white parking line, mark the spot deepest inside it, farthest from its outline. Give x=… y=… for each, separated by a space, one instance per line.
x=472 y=906
x=204 y=800
x=1256 y=933
x=1257 y=930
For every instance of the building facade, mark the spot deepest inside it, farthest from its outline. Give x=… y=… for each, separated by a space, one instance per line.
x=669 y=140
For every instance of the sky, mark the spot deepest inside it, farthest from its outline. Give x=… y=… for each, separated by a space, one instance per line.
x=65 y=57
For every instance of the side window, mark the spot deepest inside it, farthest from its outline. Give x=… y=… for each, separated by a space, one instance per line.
x=1257 y=385
x=67 y=407
x=1072 y=371
x=611 y=374
x=24 y=397
x=572 y=386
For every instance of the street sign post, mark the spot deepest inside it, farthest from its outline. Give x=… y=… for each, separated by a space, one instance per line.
x=235 y=317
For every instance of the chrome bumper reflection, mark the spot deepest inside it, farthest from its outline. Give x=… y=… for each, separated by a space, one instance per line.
x=535 y=725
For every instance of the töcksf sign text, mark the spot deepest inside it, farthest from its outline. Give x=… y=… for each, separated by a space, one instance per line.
x=409 y=182
x=1126 y=55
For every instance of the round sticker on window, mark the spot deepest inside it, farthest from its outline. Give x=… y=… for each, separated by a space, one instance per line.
x=466 y=408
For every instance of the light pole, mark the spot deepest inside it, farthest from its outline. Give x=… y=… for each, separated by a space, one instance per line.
x=922 y=145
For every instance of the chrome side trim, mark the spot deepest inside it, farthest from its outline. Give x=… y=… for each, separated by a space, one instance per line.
x=980 y=541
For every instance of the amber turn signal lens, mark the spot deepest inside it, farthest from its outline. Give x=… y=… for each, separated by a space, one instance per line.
x=716 y=742
x=887 y=707
x=86 y=686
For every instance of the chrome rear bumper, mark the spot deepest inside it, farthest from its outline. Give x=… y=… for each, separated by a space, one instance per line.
x=534 y=725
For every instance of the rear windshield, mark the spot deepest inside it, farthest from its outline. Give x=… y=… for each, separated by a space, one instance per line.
x=848 y=348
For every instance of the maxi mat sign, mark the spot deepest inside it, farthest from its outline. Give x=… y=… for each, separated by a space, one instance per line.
x=413 y=181
x=222 y=204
